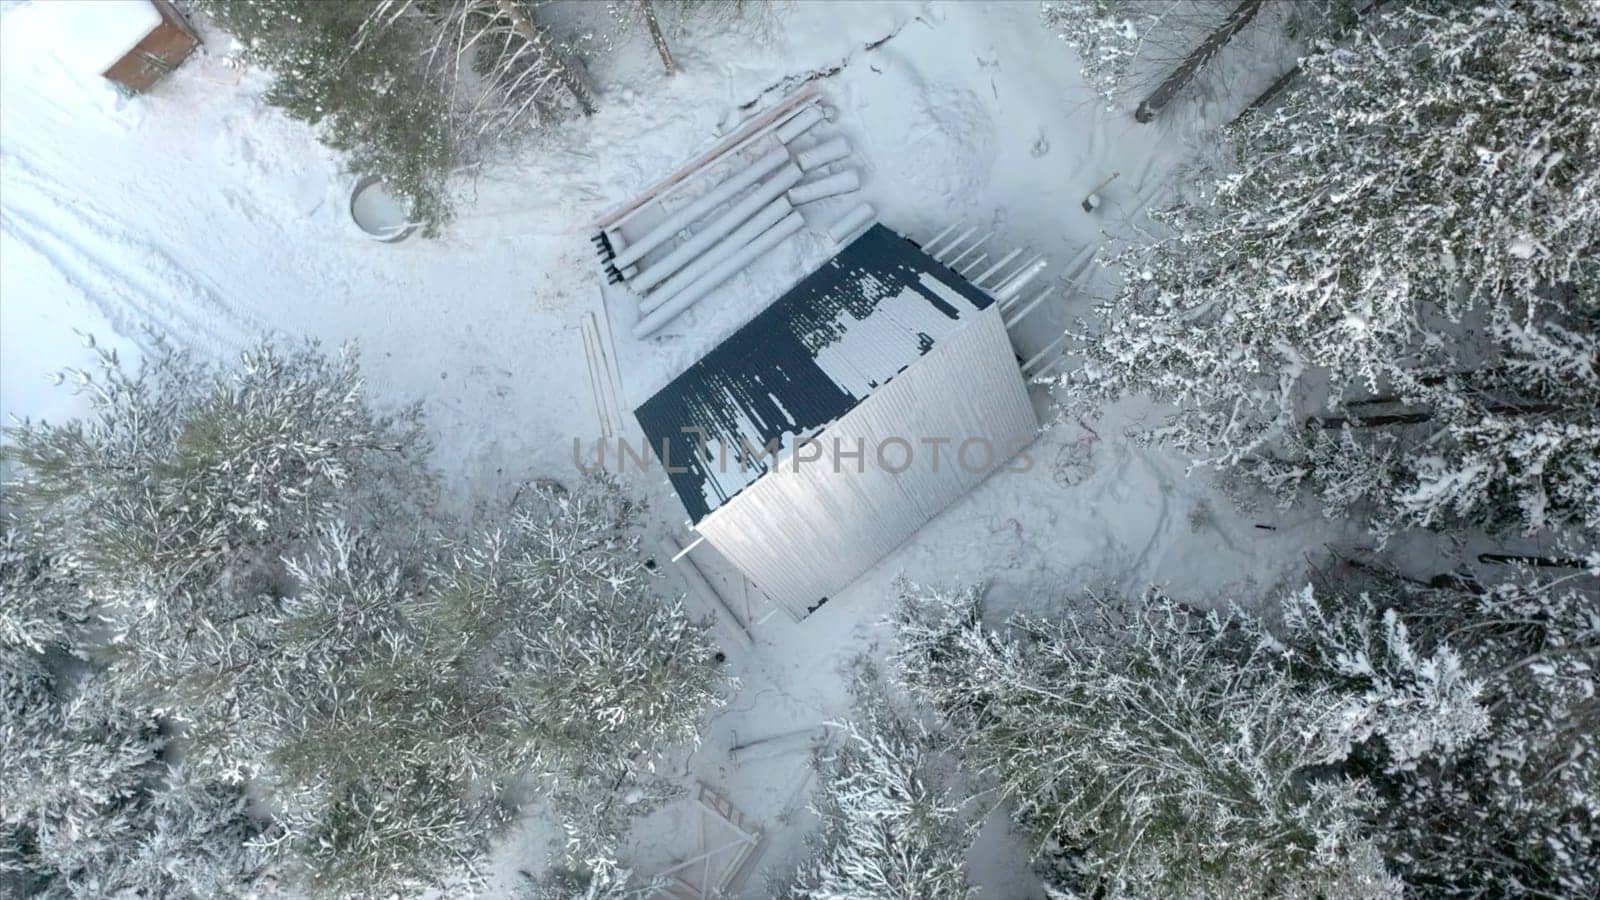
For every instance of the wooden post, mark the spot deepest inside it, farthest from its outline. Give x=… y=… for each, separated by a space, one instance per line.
x=1202 y=55
x=659 y=39
x=568 y=80
x=1544 y=562
x=1501 y=409
x=803 y=740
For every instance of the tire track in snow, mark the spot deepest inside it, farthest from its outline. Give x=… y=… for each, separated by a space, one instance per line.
x=126 y=303
x=140 y=287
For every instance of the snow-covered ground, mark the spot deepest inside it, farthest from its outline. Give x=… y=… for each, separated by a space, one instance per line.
x=203 y=214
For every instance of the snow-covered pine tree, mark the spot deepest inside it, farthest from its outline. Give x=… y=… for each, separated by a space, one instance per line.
x=593 y=673
x=88 y=805
x=1411 y=239
x=892 y=826
x=41 y=608
x=1473 y=710
x=174 y=501
x=387 y=686
x=1510 y=446
x=400 y=695
x=1108 y=36
x=88 y=808
x=1150 y=751
x=603 y=673
x=368 y=94
x=1161 y=45
x=1418 y=701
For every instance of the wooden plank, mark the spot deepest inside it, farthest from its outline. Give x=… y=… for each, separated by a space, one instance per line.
x=594 y=383
x=775 y=745
x=609 y=362
x=723 y=862
x=709 y=852
x=792 y=103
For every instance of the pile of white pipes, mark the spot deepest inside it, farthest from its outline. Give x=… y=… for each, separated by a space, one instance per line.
x=736 y=222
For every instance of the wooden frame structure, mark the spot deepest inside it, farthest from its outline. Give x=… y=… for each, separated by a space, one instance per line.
x=729 y=844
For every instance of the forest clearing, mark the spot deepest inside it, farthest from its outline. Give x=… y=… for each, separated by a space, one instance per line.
x=525 y=448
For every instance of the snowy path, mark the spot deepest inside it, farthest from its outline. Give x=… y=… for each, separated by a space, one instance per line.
x=206 y=215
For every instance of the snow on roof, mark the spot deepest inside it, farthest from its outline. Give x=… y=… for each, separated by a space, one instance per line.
x=802 y=363
x=91 y=35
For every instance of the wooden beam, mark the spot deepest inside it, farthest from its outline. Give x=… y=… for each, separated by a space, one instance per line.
x=693 y=544
x=1016 y=317
x=778 y=745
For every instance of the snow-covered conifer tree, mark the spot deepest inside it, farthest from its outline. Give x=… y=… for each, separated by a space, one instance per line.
x=625 y=674
x=173 y=503
x=1108 y=36
x=892 y=826
x=41 y=606
x=1124 y=44
x=1420 y=704
x=256 y=555
x=368 y=94
x=1474 y=712
x=1446 y=732
x=1149 y=751
x=497 y=68
x=1407 y=251
x=89 y=807
x=406 y=688
x=411 y=91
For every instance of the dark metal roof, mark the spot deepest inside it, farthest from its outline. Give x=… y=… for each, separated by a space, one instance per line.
x=802 y=363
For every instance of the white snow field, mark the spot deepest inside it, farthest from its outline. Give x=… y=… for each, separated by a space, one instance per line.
x=206 y=216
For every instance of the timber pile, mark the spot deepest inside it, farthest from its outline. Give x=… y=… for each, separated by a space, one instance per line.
x=711 y=219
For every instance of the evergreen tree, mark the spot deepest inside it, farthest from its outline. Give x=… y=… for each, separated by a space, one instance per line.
x=253 y=552
x=892 y=826
x=1411 y=239
x=89 y=806
x=414 y=91
x=1445 y=731
x=1149 y=751
x=1125 y=44
x=1495 y=793
x=367 y=93
x=175 y=502
x=530 y=648
x=90 y=809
